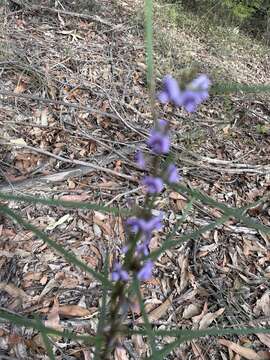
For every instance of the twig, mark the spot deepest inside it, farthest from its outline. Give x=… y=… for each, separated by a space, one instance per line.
x=123 y=194
x=58 y=102
x=47 y=179
x=95 y=18
x=79 y=162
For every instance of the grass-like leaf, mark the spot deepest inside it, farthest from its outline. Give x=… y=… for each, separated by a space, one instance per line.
x=147 y=324
x=195 y=334
x=45 y=339
x=32 y=324
x=188 y=335
x=231 y=212
x=103 y=309
x=228 y=88
x=193 y=235
x=149 y=43
x=71 y=258
x=65 y=204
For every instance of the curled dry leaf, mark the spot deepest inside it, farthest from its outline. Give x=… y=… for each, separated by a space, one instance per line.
x=241 y=350
x=265 y=339
x=75 y=197
x=53 y=317
x=263 y=305
x=191 y=310
x=183 y=262
x=139 y=345
x=14 y=291
x=196 y=319
x=75 y=311
x=53 y=224
x=120 y=353
x=158 y=312
x=209 y=318
x=198 y=352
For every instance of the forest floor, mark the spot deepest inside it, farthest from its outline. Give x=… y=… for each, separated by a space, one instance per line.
x=74 y=108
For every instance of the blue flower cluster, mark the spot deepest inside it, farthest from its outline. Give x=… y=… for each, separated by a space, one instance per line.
x=159 y=144
x=190 y=98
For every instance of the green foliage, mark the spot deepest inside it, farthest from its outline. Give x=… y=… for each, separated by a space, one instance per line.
x=250 y=15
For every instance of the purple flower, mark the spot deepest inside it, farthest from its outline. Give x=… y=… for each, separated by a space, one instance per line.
x=134 y=224
x=171 y=91
x=190 y=99
x=118 y=274
x=194 y=94
x=146 y=226
x=159 y=142
x=202 y=82
x=154 y=223
x=139 y=158
x=146 y=271
x=162 y=125
x=142 y=248
x=153 y=184
x=172 y=175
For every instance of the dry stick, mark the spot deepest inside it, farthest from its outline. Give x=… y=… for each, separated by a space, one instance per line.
x=79 y=162
x=70 y=105
x=59 y=102
x=95 y=18
x=32 y=183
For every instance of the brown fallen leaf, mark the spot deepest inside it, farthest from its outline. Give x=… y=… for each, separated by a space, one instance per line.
x=75 y=197
x=120 y=353
x=158 y=312
x=263 y=305
x=53 y=317
x=264 y=354
x=183 y=263
x=191 y=310
x=176 y=196
x=20 y=87
x=197 y=351
x=209 y=318
x=75 y=311
x=14 y=291
x=196 y=319
x=241 y=350
x=139 y=345
x=264 y=338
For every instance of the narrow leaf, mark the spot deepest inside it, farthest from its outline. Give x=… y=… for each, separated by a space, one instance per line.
x=65 y=204
x=59 y=248
x=147 y=324
x=28 y=323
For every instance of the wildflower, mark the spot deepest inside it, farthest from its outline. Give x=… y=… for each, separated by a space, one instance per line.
x=190 y=98
x=139 y=158
x=172 y=175
x=154 y=223
x=143 y=225
x=143 y=248
x=159 y=142
x=171 y=91
x=118 y=274
x=146 y=271
x=162 y=125
x=201 y=83
x=135 y=224
x=153 y=184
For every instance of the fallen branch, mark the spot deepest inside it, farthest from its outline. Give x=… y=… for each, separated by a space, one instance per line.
x=94 y=18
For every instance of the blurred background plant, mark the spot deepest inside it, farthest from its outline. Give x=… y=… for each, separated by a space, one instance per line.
x=251 y=16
